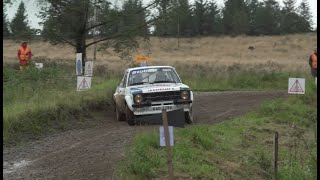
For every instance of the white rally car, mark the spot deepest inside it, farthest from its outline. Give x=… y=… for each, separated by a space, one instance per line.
x=148 y=90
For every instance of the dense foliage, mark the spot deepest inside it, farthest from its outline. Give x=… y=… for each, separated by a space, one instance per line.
x=251 y=17
x=5 y=31
x=70 y=20
x=19 y=25
x=118 y=25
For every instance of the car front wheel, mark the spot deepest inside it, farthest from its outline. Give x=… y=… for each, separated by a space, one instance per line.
x=189 y=116
x=129 y=116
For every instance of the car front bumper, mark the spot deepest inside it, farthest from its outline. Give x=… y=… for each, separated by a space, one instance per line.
x=156 y=108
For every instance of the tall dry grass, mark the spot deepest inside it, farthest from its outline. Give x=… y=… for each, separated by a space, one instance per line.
x=291 y=50
x=205 y=64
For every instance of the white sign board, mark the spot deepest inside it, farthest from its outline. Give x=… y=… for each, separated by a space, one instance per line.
x=88 y=68
x=296 y=86
x=83 y=83
x=162 y=136
x=79 y=64
x=39 y=65
x=143 y=63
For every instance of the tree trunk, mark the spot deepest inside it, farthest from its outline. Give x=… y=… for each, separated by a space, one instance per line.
x=82 y=34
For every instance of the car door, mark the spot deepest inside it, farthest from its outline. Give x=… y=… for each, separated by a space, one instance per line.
x=120 y=93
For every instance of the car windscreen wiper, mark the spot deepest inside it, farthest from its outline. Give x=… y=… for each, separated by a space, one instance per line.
x=163 y=82
x=139 y=83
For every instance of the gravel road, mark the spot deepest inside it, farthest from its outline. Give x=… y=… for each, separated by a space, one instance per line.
x=92 y=153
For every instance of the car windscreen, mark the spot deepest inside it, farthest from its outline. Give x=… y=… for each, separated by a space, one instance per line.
x=153 y=75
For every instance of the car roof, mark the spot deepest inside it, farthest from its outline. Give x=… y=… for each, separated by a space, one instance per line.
x=147 y=67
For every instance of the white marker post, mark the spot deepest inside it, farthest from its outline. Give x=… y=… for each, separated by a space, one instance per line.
x=88 y=71
x=296 y=86
x=79 y=64
x=143 y=63
x=163 y=137
x=39 y=65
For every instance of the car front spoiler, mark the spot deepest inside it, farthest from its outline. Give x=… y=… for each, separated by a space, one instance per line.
x=148 y=104
x=158 y=109
x=176 y=118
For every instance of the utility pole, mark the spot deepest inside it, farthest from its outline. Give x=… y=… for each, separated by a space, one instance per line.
x=95 y=31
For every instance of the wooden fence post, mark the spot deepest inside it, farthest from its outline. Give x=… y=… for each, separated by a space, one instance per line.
x=275 y=155
x=315 y=133
x=167 y=140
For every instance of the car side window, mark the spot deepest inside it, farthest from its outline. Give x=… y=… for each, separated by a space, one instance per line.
x=121 y=82
x=124 y=80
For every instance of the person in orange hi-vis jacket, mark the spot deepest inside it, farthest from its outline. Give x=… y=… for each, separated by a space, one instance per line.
x=313 y=64
x=24 y=55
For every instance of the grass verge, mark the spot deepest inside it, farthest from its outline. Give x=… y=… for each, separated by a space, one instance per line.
x=238 y=149
x=268 y=76
x=39 y=101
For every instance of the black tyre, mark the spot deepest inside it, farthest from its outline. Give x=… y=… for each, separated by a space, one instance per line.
x=130 y=116
x=119 y=116
x=189 y=116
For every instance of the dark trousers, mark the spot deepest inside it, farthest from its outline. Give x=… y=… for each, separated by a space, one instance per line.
x=314 y=72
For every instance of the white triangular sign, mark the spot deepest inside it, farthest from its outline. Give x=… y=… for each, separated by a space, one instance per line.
x=83 y=83
x=296 y=87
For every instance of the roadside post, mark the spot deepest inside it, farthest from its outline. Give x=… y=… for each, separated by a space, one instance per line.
x=167 y=142
x=39 y=65
x=143 y=63
x=79 y=64
x=168 y=120
x=296 y=86
x=88 y=71
x=83 y=81
x=275 y=155
x=315 y=134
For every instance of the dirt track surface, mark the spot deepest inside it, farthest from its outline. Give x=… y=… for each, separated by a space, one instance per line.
x=93 y=153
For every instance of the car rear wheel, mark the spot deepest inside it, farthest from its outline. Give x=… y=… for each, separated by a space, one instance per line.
x=129 y=116
x=189 y=116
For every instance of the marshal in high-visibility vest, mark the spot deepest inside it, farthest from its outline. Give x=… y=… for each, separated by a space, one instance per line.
x=313 y=62
x=24 y=55
x=142 y=59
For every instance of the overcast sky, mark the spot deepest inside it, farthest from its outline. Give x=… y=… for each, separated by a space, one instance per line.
x=33 y=10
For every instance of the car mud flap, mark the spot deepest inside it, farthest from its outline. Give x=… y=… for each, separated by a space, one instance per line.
x=176 y=118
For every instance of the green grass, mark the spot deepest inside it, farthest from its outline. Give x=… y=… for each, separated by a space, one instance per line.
x=241 y=148
x=37 y=101
x=268 y=76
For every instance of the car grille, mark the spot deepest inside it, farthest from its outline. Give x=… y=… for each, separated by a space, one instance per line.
x=162 y=96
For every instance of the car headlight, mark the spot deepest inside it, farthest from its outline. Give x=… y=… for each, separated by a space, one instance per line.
x=185 y=95
x=138 y=98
